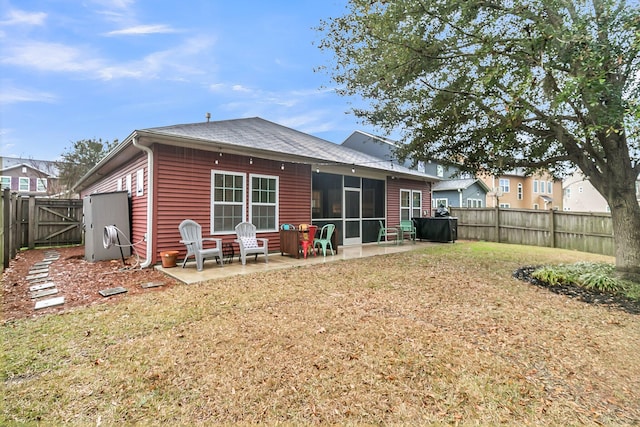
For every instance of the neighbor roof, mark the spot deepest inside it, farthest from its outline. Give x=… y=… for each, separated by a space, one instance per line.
x=457 y=184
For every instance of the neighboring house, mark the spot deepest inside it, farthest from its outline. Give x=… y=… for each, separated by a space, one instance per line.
x=28 y=177
x=518 y=191
x=454 y=190
x=225 y=172
x=468 y=193
x=579 y=195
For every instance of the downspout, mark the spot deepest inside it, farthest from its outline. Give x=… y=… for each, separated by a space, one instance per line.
x=149 y=232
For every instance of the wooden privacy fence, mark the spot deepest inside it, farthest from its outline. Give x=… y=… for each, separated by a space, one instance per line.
x=581 y=231
x=30 y=222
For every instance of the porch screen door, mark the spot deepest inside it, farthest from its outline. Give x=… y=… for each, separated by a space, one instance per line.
x=352 y=217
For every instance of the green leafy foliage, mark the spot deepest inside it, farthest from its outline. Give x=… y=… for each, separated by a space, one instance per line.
x=77 y=160
x=589 y=275
x=494 y=86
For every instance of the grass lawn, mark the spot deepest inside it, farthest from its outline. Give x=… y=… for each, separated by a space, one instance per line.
x=442 y=334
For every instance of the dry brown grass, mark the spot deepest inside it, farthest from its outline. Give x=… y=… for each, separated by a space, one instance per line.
x=437 y=335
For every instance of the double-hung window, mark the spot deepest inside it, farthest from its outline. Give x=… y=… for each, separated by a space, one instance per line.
x=5 y=182
x=264 y=202
x=227 y=201
x=410 y=204
x=41 y=185
x=23 y=184
x=504 y=185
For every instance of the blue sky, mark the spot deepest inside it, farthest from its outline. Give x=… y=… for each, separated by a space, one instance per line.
x=72 y=69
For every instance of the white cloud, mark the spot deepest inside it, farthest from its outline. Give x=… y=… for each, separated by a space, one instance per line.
x=50 y=57
x=171 y=64
x=240 y=88
x=143 y=29
x=175 y=63
x=12 y=95
x=20 y=17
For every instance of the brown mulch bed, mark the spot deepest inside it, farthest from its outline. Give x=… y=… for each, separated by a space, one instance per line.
x=79 y=281
x=590 y=296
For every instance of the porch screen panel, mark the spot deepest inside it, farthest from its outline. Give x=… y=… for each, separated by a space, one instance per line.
x=327 y=196
x=372 y=198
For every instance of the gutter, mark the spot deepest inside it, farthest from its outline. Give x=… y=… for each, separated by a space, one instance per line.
x=149 y=231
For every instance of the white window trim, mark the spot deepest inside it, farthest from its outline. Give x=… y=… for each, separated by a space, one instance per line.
x=276 y=205
x=436 y=203
x=471 y=202
x=128 y=180
x=411 y=208
x=213 y=202
x=505 y=188
x=4 y=178
x=520 y=191
x=21 y=180
x=42 y=181
x=535 y=186
x=549 y=187
x=140 y=182
x=118 y=184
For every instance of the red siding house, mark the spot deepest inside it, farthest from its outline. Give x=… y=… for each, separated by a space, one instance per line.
x=224 y=172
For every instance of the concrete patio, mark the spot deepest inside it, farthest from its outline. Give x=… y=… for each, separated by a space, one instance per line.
x=212 y=270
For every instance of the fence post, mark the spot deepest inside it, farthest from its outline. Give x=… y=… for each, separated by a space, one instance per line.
x=552 y=227
x=497 y=224
x=6 y=213
x=16 y=241
x=33 y=222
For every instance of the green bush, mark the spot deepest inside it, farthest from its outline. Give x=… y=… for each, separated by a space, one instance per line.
x=589 y=275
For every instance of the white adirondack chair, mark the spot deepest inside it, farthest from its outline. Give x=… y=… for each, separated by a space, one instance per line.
x=249 y=244
x=191 y=233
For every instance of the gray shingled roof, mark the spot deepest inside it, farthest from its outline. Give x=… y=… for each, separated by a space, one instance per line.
x=453 y=184
x=259 y=134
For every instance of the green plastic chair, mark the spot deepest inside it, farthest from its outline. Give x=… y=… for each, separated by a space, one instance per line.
x=385 y=232
x=408 y=229
x=324 y=238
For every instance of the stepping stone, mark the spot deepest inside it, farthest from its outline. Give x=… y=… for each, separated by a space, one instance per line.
x=38 y=270
x=49 y=302
x=44 y=293
x=50 y=259
x=112 y=291
x=42 y=264
x=151 y=285
x=42 y=286
x=37 y=276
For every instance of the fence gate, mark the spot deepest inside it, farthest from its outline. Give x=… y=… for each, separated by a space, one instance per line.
x=53 y=222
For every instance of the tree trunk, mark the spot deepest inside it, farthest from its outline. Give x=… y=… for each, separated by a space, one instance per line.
x=625 y=213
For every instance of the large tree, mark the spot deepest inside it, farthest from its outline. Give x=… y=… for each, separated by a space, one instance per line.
x=78 y=159
x=499 y=84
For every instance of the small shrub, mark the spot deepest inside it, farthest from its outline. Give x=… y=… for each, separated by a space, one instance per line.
x=554 y=275
x=595 y=276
